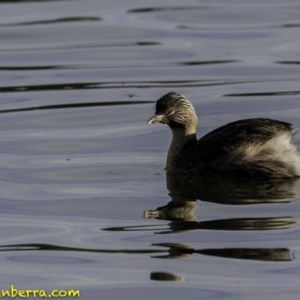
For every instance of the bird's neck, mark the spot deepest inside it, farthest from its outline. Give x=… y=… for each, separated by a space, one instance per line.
x=183 y=138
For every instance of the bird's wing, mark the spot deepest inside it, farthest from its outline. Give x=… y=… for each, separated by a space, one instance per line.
x=237 y=135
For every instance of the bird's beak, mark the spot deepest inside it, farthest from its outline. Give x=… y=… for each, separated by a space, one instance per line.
x=155 y=118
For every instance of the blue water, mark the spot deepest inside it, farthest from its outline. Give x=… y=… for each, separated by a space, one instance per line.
x=82 y=175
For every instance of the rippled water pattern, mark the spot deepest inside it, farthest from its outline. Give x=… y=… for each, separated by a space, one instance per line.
x=85 y=202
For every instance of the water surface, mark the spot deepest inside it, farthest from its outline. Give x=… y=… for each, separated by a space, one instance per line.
x=85 y=201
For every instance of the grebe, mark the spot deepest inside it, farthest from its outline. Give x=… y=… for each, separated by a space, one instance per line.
x=250 y=148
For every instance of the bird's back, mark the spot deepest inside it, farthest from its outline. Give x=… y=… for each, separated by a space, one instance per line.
x=250 y=147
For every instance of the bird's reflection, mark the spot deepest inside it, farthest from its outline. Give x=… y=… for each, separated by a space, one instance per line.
x=185 y=191
x=262 y=254
x=233 y=190
x=166 y=251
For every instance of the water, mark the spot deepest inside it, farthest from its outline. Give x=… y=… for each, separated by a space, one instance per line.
x=82 y=174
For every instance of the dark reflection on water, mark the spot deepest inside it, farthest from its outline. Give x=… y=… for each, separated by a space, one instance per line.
x=164 y=276
x=291 y=25
x=48 y=247
x=207 y=62
x=289 y=62
x=17 y=1
x=263 y=254
x=289 y=93
x=184 y=192
x=114 y=85
x=171 y=250
x=167 y=8
x=75 y=105
x=32 y=68
x=58 y=20
x=281 y=254
x=238 y=224
x=102 y=85
x=232 y=190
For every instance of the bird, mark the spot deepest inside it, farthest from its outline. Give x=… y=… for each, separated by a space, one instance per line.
x=257 y=147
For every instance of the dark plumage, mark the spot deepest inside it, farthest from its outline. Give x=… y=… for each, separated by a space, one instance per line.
x=251 y=147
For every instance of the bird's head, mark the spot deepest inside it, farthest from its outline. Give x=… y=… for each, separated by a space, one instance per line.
x=174 y=110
